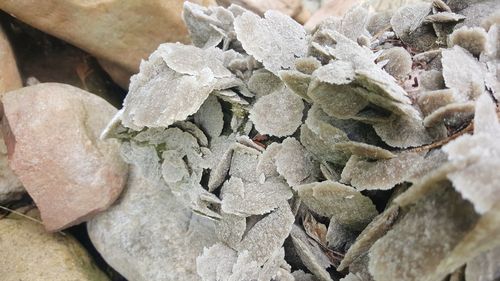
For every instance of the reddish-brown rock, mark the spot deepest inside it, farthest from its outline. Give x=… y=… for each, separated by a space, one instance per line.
x=52 y=135
x=119 y=31
x=10 y=186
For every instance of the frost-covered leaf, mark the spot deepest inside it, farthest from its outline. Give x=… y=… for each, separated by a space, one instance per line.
x=190 y=60
x=145 y=158
x=209 y=26
x=399 y=62
x=432 y=100
x=423 y=238
x=454 y=115
x=480 y=155
x=244 y=163
x=320 y=148
x=354 y=22
x=285 y=39
x=339 y=237
x=277 y=114
x=263 y=82
x=219 y=160
x=254 y=198
x=431 y=80
x=307 y=65
x=296 y=81
x=365 y=150
x=407 y=24
x=332 y=199
x=468 y=82
x=472 y=39
x=293 y=162
x=311 y=254
x=230 y=229
x=174 y=169
x=330 y=89
x=444 y=17
x=210 y=117
x=158 y=96
x=267 y=161
x=300 y=275
x=381 y=174
x=351 y=277
x=403 y=132
x=191 y=128
x=376 y=229
x=268 y=234
x=216 y=262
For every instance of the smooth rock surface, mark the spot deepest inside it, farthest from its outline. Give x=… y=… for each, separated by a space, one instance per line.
x=52 y=135
x=30 y=253
x=10 y=186
x=9 y=74
x=119 y=31
x=149 y=235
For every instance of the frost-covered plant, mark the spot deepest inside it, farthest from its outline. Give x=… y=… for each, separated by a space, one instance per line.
x=272 y=132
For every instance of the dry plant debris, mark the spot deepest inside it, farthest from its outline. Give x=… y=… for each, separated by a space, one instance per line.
x=290 y=141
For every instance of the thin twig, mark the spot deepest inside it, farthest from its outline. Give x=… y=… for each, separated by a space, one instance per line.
x=466 y=130
x=20 y=214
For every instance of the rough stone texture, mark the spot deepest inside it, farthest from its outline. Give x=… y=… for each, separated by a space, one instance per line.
x=30 y=253
x=52 y=135
x=150 y=235
x=10 y=186
x=119 y=31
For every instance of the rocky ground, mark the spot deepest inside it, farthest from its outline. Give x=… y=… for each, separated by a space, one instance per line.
x=250 y=140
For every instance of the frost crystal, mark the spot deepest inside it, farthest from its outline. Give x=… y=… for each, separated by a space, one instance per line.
x=278 y=114
x=286 y=39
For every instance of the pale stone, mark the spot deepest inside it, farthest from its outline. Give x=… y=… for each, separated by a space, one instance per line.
x=150 y=235
x=10 y=186
x=52 y=135
x=121 y=32
x=9 y=74
x=30 y=253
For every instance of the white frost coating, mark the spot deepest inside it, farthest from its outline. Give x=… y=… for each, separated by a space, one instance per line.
x=468 y=82
x=284 y=38
x=216 y=262
x=173 y=84
x=158 y=96
x=210 y=117
x=293 y=162
x=186 y=59
x=245 y=199
x=479 y=154
x=268 y=234
x=278 y=114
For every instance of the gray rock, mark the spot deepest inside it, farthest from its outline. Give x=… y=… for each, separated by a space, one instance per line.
x=149 y=235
